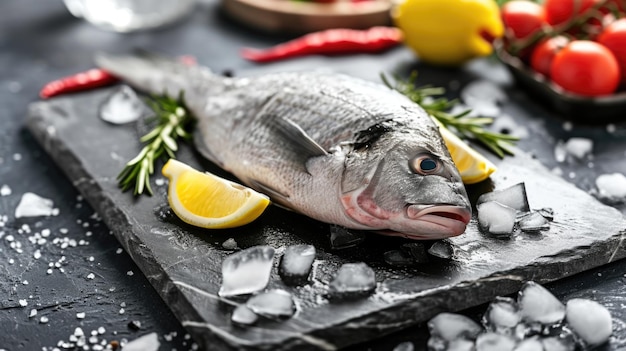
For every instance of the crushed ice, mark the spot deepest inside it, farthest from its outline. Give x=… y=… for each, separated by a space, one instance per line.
x=33 y=205
x=242 y=315
x=612 y=187
x=272 y=304
x=246 y=271
x=122 y=106
x=536 y=321
x=574 y=149
x=589 y=320
x=5 y=190
x=352 y=280
x=148 y=342
x=502 y=211
x=296 y=263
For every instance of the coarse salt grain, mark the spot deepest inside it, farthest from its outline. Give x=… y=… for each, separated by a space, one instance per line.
x=80 y=315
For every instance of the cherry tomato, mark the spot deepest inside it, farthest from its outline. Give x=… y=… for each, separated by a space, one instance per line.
x=544 y=52
x=561 y=11
x=614 y=38
x=522 y=18
x=586 y=68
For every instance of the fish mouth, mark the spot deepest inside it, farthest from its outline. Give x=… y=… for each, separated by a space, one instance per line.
x=438 y=221
x=415 y=221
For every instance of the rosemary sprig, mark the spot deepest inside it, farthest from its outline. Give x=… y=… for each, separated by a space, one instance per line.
x=429 y=98
x=172 y=122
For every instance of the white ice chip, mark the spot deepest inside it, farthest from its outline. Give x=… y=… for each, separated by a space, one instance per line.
x=589 y=320
x=33 y=205
x=246 y=271
x=537 y=304
x=612 y=186
x=148 y=342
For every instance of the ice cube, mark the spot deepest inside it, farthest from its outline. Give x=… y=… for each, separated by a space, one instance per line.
x=452 y=326
x=514 y=197
x=589 y=320
x=547 y=213
x=272 y=304
x=404 y=346
x=442 y=249
x=296 y=264
x=230 y=244
x=242 y=315
x=490 y=341
x=495 y=218
x=537 y=304
x=148 y=342
x=533 y=222
x=33 y=205
x=246 y=271
x=342 y=238
x=612 y=187
x=530 y=344
x=556 y=343
x=352 y=280
x=5 y=190
x=398 y=258
x=579 y=148
x=502 y=316
x=122 y=106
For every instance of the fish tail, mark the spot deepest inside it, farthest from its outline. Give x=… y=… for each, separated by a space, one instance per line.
x=155 y=74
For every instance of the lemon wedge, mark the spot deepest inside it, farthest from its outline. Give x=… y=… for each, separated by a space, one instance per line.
x=208 y=201
x=472 y=166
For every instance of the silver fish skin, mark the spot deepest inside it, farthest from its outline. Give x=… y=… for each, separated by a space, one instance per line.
x=335 y=148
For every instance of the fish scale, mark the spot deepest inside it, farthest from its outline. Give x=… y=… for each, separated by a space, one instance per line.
x=335 y=148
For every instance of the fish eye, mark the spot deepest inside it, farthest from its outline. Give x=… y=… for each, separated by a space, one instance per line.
x=425 y=164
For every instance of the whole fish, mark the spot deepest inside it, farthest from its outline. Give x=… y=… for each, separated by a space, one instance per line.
x=335 y=148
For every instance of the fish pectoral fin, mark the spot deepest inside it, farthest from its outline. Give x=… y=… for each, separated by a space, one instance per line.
x=300 y=142
x=274 y=194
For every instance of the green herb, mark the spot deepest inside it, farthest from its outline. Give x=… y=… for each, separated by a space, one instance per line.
x=172 y=122
x=463 y=125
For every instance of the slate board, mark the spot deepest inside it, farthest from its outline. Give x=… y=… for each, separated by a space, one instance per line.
x=184 y=263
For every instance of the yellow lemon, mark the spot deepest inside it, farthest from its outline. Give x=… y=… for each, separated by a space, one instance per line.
x=449 y=32
x=472 y=166
x=208 y=201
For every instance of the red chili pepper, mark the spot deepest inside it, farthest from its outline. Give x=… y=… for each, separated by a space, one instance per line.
x=330 y=41
x=93 y=78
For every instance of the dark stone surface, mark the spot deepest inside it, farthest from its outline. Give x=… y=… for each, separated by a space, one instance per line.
x=184 y=263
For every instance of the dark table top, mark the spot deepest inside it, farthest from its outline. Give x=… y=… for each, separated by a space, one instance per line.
x=69 y=265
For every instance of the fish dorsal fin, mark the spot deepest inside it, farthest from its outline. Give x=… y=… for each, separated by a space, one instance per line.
x=299 y=141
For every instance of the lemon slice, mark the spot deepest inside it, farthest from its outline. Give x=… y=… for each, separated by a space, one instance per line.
x=472 y=166
x=208 y=201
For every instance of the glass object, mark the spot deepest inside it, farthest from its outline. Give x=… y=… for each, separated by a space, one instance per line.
x=129 y=15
